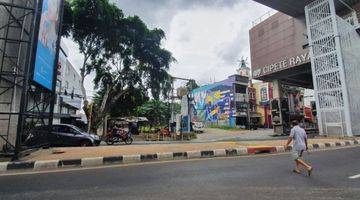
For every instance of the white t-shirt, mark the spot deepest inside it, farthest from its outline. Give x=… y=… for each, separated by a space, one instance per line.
x=299 y=135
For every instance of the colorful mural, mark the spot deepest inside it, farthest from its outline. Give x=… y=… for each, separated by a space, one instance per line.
x=213 y=102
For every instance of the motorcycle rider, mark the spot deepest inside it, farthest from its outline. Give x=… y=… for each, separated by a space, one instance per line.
x=115 y=131
x=134 y=128
x=118 y=134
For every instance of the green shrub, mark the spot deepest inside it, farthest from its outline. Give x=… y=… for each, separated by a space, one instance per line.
x=223 y=127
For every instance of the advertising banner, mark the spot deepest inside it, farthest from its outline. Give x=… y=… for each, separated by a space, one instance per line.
x=47 y=43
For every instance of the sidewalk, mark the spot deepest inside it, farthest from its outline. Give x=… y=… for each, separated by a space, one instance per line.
x=214 y=134
x=116 y=150
x=220 y=135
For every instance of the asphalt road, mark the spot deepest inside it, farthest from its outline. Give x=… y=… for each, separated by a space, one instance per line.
x=260 y=178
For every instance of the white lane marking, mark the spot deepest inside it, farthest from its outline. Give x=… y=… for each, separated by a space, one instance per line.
x=355 y=176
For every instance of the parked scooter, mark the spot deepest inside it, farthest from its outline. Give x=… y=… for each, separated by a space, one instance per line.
x=118 y=135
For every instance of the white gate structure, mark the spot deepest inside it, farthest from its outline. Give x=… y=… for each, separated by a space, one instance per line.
x=335 y=62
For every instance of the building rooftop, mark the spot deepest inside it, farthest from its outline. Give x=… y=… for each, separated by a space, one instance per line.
x=295 y=8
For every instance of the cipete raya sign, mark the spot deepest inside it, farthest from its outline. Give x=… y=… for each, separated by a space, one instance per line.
x=283 y=64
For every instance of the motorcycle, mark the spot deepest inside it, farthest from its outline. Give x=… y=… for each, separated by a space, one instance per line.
x=119 y=136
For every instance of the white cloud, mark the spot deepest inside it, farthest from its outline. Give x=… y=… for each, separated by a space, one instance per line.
x=215 y=39
x=206 y=37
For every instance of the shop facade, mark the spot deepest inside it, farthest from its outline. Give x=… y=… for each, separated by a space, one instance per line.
x=263 y=92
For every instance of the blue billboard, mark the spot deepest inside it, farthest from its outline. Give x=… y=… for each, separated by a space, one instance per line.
x=45 y=56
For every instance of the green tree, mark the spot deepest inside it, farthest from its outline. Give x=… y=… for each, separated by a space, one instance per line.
x=67 y=23
x=152 y=60
x=156 y=111
x=126 y=56
x=126 y=105
x=138 y=63
x=177 y=107
x=88 y=23
x=191 y=84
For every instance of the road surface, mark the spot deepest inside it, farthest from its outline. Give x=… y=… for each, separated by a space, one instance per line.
x=251 y=178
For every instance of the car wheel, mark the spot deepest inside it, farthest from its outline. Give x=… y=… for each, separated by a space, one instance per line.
x=85 y=143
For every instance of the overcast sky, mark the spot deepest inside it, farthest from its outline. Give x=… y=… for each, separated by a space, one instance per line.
x=207 y=37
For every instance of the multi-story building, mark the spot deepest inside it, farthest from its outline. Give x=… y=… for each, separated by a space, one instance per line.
x=68 y=89
x=311 y=44
x=222 y=103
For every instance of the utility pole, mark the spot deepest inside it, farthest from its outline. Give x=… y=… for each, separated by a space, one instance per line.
x=172 y=96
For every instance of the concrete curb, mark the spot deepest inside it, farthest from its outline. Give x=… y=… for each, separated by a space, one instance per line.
x=133 y=158
x=219 y=153
x=193 y=154
x=88 y=162
x=46 y=164
x=242 y=151
x=3 y=166
x=123 y=159
x=165 y=156
x=280 y=149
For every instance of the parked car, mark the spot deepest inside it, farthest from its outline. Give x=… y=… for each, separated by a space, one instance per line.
x=61 y=135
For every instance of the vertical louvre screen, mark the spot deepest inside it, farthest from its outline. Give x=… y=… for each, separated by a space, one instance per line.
x=328 y=69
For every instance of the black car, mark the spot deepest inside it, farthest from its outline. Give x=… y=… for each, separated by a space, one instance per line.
x=61 y=135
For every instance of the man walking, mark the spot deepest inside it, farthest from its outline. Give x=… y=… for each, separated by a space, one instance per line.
x=299 y=138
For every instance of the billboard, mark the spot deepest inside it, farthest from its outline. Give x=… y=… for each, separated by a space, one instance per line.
x=45 y=56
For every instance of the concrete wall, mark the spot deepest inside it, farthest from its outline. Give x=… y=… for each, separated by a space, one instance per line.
x=278 y=38
x=70 y=80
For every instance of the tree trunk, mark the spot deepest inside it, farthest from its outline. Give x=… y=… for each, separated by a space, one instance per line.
x=102 y=109
x=116 y=97
x=104 y=105
x=83 y=90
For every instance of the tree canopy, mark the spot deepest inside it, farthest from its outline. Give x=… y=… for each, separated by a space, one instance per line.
x=124 y=53
x=156 y=111
x=191 y=84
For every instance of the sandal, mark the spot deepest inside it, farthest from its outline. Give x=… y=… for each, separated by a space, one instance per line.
x=296 y=171
x=309 y=171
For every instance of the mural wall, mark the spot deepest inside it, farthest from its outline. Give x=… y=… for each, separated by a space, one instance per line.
x=212 y=103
